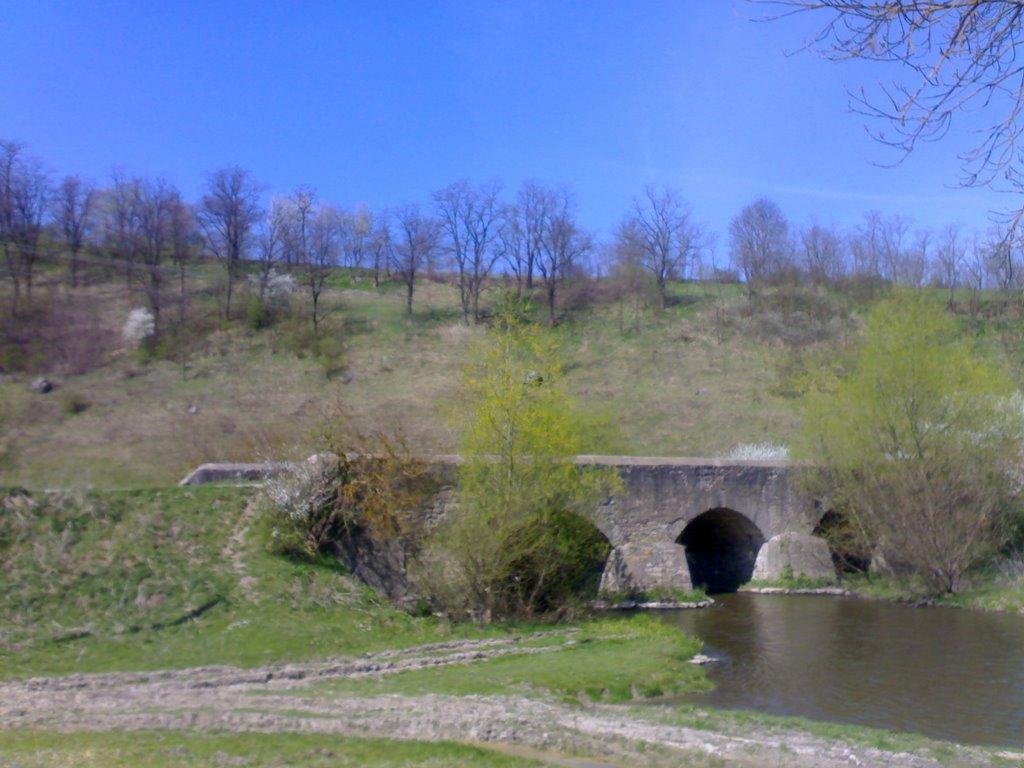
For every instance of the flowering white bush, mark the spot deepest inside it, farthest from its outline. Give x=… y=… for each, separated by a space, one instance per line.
x=139 y=326
x=759 y=452
x=280 y=285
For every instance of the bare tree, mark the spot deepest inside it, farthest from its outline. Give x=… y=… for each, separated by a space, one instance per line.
x=470 y=221
x=73 y=209
x=416 y=239
x=758 y=241
x=511 y=244
x=185 y=245
x=227 y=214
x=663 y=235
x=296 y=236
x=357 y=241
x=866 y=246
x=822 y=251
x=957 y=56
x=121 y=203
x=381 y=249
x=270 y=242
x=157 y=206
x=534 y=206
x=563 y=245
x=894 y=251
x=10 y=153
x=975 y=272
x=325 y=231
x=949 y=260
x=24 y=195
x=914 y=270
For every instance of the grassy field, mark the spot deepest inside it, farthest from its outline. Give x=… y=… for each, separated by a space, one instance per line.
x=112 y=581
x=155 y=579
x=156 y=749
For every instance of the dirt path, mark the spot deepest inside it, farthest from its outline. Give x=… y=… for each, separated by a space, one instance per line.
x=262 y=699
x=235 y=549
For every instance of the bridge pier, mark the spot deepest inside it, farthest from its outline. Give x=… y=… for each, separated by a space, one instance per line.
x=794 y=554
x=634 y=568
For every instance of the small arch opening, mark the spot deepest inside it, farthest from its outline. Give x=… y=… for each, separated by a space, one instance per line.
x=721 y=549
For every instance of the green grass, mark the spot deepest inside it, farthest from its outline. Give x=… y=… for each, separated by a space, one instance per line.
x=612 y=660
x=102 y=582
x=177 y=749
x=799 y=581
x=107 y=581
x=985 y=591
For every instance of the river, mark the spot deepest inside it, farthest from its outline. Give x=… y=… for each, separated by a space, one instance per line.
x=944 y=672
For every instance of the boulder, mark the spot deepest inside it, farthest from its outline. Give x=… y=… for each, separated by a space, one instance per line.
x=794 y=554
x=41 y=386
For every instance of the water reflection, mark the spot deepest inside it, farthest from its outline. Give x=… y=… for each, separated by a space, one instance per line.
x=947 y=673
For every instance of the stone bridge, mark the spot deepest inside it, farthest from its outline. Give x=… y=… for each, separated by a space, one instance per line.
x=678 y=523
x=711 y=523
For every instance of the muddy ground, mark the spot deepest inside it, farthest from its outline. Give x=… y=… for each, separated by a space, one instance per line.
x=262 y=699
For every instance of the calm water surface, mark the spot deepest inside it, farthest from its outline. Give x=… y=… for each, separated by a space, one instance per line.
x=948 y=673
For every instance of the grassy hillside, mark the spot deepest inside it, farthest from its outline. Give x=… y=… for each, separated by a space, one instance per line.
x=709 y=372
x=151 y=579
x=713 y=370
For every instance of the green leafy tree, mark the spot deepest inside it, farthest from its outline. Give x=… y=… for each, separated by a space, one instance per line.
x=518 y=546
x=917 y=443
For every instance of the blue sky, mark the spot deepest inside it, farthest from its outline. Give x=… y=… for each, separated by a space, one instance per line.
x=383 y=102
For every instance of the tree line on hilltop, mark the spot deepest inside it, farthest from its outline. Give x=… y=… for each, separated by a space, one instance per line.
x=471 y=233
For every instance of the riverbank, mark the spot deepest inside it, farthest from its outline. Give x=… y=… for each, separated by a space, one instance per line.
x=201 y=648
x=356 y=712
x=988 y=591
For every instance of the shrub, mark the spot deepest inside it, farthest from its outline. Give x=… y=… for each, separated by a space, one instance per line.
x=73 y=403
x=796 y=315
x=758 y=452
x=55 y=334
x=365 y=485
x=918 y=445
x=517 y=546
x=258 y=314
x=138 y=326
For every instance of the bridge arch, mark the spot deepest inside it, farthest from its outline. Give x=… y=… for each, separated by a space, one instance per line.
x=721 y=547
